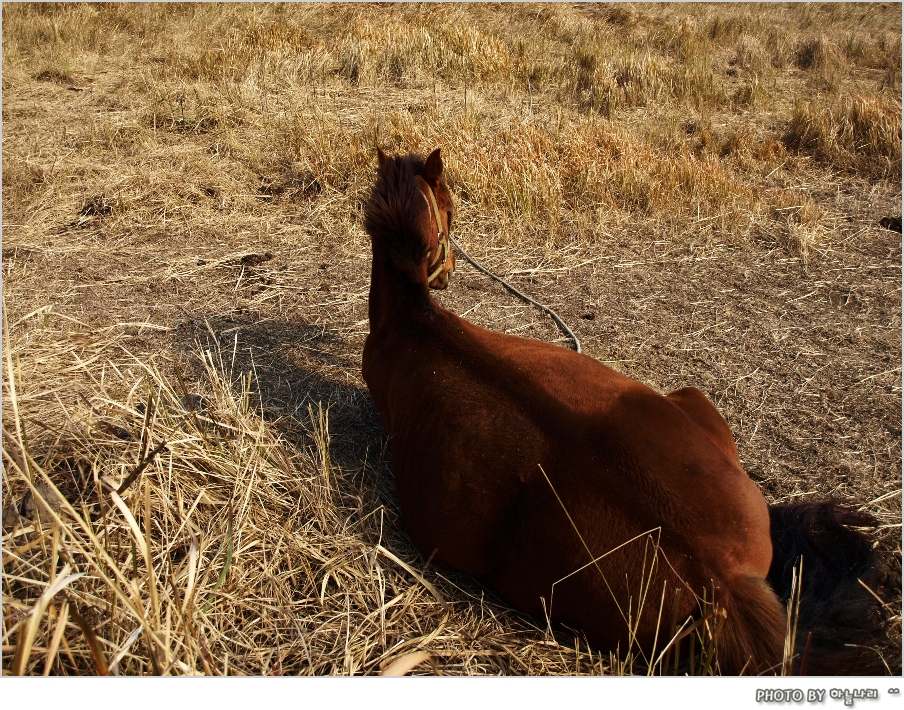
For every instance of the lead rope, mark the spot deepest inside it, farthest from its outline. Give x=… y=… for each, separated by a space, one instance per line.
x=559 y=322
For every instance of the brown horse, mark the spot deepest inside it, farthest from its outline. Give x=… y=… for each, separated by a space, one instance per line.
x=581 y=495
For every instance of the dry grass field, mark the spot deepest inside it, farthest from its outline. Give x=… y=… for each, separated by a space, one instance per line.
x=195 y=478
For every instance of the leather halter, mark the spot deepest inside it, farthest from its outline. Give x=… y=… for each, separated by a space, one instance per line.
x=444 y=249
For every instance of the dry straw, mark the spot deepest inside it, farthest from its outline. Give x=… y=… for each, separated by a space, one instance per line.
x=644 y=161
x=161 y=526
x=229 y=553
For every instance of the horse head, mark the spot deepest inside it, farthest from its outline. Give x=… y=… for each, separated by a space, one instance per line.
x=439 y=259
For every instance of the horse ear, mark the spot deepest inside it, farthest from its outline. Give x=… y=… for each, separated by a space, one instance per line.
x=433 y=170
x=381 y=156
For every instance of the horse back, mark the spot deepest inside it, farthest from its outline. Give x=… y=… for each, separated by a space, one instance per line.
x=473 y=416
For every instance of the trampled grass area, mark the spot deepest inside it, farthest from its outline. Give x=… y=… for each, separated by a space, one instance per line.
x=696 y=189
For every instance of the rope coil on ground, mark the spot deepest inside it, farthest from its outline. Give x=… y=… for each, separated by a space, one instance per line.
x=559 y=322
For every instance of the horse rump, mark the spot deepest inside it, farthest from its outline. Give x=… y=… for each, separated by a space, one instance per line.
x=839 y=615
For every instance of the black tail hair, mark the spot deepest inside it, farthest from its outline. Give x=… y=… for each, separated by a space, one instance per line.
x=843 y=617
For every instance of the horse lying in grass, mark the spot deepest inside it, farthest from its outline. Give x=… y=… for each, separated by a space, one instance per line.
x=583 y=496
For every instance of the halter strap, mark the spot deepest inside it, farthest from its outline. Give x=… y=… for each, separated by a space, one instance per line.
x=445 y=251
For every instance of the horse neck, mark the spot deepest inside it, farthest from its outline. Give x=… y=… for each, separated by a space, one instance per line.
x=395 y=294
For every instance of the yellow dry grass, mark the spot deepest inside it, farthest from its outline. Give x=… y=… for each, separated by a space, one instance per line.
x=185 y=278
x=860 y=132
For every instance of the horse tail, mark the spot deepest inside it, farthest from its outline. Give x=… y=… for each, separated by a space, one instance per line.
x=752 y=635
x=838 y=618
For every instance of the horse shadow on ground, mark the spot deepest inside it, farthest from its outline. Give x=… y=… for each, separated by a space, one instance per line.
x=295 y=366
x=298 y=365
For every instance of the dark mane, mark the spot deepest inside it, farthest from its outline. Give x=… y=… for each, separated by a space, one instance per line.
x=394 y=212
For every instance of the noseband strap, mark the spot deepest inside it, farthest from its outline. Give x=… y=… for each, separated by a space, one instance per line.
x=443 y=248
